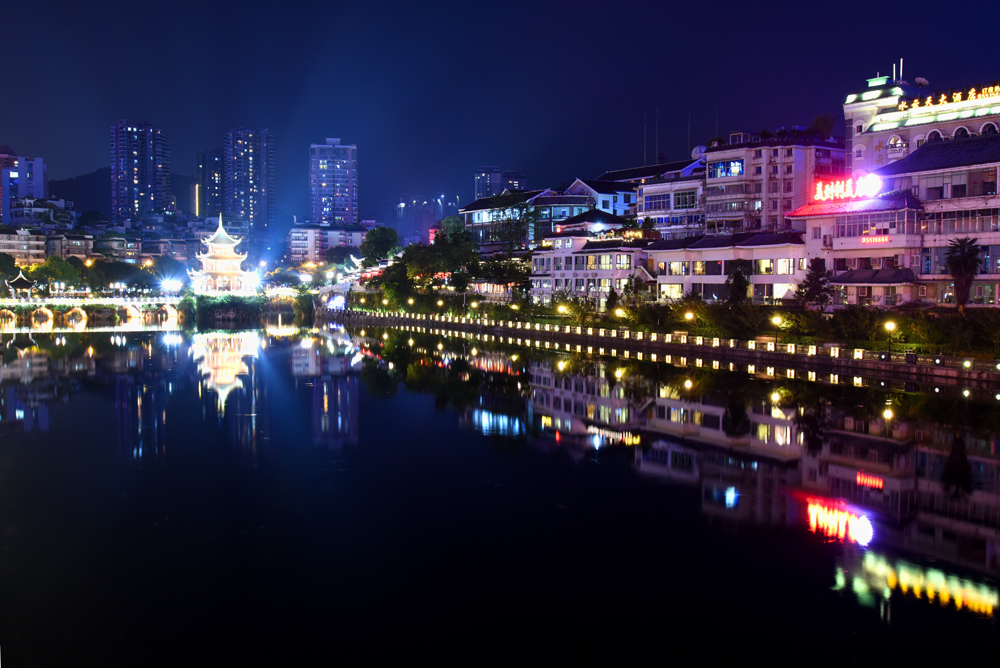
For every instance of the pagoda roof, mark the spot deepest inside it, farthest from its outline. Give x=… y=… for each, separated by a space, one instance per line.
x=221 y=237
x=22 y=282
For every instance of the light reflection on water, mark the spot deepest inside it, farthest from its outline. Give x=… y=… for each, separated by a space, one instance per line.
x=765 y=452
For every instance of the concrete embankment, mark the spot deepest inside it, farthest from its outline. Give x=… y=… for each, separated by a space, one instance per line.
x=689 y=349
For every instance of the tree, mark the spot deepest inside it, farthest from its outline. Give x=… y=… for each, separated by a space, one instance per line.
x=340 y=255
x=648 y=224
x=611 y=303
x=738 y=274
x=452 y=225
x=962 y=261
x=514 y=217
x=822 y=126
x=8 y=266
x=632 y=294
x=378 y=243
x=54 y=270
x=816 y=288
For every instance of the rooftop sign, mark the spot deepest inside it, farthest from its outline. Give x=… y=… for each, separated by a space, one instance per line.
x=864 y=186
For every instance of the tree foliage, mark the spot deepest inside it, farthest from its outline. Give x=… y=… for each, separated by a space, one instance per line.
x=378 y=243
x=816 y=288
x=341 y=255
x=963 y=264
x=738 y=274
x=514 y=216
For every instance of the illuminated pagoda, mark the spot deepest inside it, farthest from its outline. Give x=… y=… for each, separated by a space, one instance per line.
x=21 y=286
x=220 y=359
x=220 y=272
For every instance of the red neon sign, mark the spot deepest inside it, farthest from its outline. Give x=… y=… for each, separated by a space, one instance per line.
x=838 y=523
x=869 y=480
x=865 y=186
x=879 y=239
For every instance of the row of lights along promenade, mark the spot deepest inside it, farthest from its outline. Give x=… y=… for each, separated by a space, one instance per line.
x=830 y=361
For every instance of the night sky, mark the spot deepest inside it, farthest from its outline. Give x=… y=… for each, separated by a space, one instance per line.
x=429 y=91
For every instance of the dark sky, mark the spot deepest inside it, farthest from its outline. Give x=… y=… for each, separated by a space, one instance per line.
x=428 y=91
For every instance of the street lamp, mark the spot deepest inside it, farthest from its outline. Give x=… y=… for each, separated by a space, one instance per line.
x=620 y=312
x=777 y=328
x=689 y=316
x=561 y=308
x=890 y=327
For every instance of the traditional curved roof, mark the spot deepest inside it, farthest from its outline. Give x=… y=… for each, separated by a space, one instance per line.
x=221 y=237
x=22 y=282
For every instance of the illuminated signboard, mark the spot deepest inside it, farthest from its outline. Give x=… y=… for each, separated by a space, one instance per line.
x=940 y=99
x=836 y=521
x=877 y=239
x=868 y=480
x=864 y=186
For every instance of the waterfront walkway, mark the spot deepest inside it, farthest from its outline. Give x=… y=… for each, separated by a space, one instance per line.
x=832 y=360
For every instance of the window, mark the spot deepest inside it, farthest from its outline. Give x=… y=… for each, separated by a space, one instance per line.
x=772 y=187
x=817 y=232
x=859 y=129
x=579 y=284
x=686 y=199
x=678 y=268
x=605 y=262
x=785 y=266
x=623 y=261
x=774 y=153
x=758 y=169
x=557 y=264
x=786 y=205
x=789 y=152
x=579 y=263
x=787 y=187
x=656 y=202
x=759 y=153
x=789 y=168
x=605 y=204
x=934 y=136
x=988 y=129
x=774 y=170
x=774 y=205
x=961 y=133
x=859 y=152
x=718 y=170
x=763 y=267
x=591 y=262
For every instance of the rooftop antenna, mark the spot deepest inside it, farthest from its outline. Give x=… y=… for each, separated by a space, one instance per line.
x=644 y=139
x=900 y=69
x=689 y=125
x=894 y=73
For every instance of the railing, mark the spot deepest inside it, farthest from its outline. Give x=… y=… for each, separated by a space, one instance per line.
x=765 y=344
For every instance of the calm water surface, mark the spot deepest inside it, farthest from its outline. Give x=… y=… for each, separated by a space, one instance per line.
x=174 y=498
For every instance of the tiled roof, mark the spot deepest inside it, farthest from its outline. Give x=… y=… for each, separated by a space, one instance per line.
x=491 y=202
x=944 y=154
x=594 y=216
x=607 y=187
x=892 y=201
x=606 y=244
x=743 y=239
x=649 y=172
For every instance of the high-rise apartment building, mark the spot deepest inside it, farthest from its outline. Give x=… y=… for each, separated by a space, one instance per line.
x=140 y=171
x=209 y=184
x=333 y=183
x=20 y=178
x=489 y=181
x=248 y=177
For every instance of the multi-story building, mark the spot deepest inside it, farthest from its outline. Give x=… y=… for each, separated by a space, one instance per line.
x=890 y=119
x=20 y=178
x=209 y=184
x=27 y=246
x=513 y=181
x=488 y=219
x=309 y=243
x=248 y=178
x=754 y=183
x=333 y=183
x=579 y=265
x=891 y=248
x=489 y=181
x=701 y=264
x=140 y=171
x=69 y=245
x=671 y=194
x=613 y=197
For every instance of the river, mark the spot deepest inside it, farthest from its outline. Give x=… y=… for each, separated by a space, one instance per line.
x=292 y=496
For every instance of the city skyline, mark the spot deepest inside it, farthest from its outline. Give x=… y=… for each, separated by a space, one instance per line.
x=424 y=116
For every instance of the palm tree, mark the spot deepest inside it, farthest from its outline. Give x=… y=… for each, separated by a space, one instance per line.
x=962 y=260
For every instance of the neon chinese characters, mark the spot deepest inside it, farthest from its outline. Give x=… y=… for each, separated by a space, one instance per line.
x=864 y=186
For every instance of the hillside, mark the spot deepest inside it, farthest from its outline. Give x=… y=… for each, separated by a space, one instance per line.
x=92 y=192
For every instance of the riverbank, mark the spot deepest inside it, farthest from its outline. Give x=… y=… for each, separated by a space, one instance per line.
x=830 y=360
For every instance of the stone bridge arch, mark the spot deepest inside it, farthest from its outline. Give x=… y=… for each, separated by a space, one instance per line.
x=127 y=312
x=42 y=317
x=75 y=317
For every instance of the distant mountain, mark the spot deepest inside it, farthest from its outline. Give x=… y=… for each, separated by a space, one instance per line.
x=92 y=192
x=89 y=192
